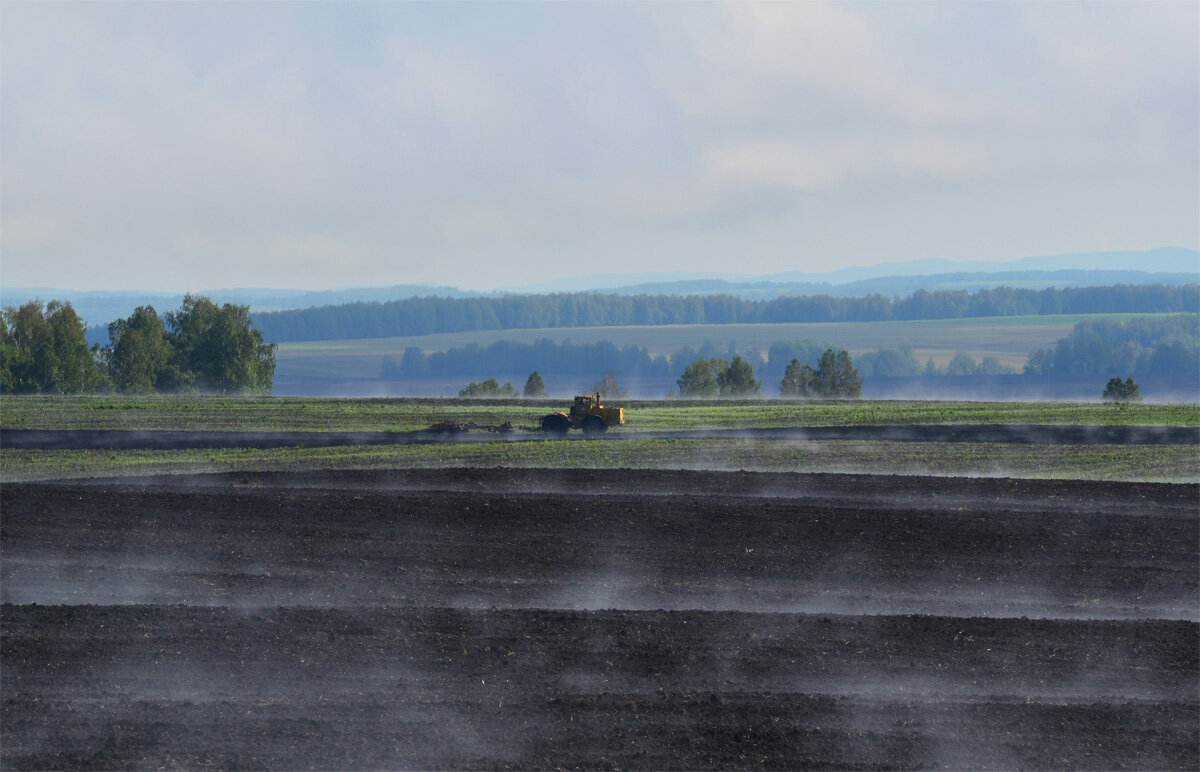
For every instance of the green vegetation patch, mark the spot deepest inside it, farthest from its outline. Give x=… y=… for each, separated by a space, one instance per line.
x=1098 y=462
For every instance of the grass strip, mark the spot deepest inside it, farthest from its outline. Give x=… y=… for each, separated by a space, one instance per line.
x=1097 y=462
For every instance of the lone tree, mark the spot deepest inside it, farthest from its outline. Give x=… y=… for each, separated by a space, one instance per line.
x=737 y=380
x=534 y=386
x=1119 y=390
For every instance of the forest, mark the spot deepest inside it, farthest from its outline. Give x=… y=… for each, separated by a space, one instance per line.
x=1137 y=347
x=430 y=315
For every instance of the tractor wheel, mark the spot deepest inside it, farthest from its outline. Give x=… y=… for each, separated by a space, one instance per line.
x=554 y=424
x=594 y=425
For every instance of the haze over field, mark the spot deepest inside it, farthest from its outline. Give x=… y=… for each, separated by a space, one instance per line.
x=179 y=147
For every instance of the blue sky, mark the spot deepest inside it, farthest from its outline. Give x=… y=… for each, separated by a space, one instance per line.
x=186 y=146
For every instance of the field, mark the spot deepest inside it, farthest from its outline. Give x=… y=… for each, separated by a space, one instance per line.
x=1010 y=339
x=667 y=450
x=402 y=415
x=714 y=594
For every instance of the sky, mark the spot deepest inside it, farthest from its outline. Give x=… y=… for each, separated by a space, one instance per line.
x=191 y=146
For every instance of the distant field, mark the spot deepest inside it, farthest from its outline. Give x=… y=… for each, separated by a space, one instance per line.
x=1009 y=338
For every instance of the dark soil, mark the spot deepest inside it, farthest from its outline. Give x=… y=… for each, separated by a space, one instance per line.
x=1039 y=434
x=629 y=619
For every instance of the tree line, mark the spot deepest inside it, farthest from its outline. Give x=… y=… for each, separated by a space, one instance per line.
x=808 y=368
x=555 y=359
x=200 y=347
x=429 y=315
x=1166 y=346
x=549 y=357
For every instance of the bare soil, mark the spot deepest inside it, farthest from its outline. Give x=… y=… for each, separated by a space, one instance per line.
x=578 y=619
x=1039 y=434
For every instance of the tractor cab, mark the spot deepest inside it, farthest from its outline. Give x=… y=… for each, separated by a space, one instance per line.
x=583 y=404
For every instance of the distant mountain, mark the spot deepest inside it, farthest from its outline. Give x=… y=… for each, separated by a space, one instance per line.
x=894 y=286
x=1168 y=260
x=1165 y=260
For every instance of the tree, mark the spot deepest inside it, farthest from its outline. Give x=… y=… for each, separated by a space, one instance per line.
x=414 y=363
x=217 y=348
x=140 y=359
x=608 y=386
x=16 y=362
x=846 y=382
x=699 y=379
x=962 y=364
x=489 y=389
x=834 y=377
x=799 y=381
x=535 y=387
x=737 y=380
x=1119 y=390
x=890 y=363
x=45 y=350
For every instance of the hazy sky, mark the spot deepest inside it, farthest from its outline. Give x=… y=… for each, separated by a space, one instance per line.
x=176 y=146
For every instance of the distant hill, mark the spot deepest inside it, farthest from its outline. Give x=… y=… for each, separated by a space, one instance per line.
x=1168 y=260
x=896 y=286
x=1169 y=266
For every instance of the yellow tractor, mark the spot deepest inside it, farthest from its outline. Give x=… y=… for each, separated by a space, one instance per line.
x=588 y=414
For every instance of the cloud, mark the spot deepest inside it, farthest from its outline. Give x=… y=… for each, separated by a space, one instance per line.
x=311 y=144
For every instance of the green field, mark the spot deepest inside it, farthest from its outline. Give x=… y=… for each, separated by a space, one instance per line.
x=1171 y=463
x=313 y=414
x=1009 y=338
x=1150 y=463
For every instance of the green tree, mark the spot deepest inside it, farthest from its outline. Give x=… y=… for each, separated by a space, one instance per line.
x=962 y=364
x=15 y=363
x=799 y=381
x=140 y=358
x=699 y=379
x=992 y=366
x=1118 y=390
x=217 y=348
x=45 y=350
x=890 y=363
x=836 y=376
x=535 y=387
x=737 y=380
x=489 y=389
x=847 y=383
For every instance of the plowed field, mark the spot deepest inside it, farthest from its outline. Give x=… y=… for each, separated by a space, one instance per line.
x=633 y=619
